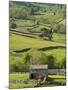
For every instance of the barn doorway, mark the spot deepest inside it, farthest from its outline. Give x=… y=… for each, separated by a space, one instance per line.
x=32 y=75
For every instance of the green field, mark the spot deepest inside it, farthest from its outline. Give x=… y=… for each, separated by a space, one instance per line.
x=37 y=35
x=54 y=80
x=25 y=42
x=20 y=42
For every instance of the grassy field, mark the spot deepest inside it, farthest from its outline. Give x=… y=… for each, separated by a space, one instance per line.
x=28 y=20
x=24 y=23
x=54 y=80
x=20 y=42
x=58 y=56
x=19 y=78
x=49 y=16
x=59 y=38
x=25 y=42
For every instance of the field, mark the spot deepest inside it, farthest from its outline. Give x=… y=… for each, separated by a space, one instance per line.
x=16 y=81
x=22 y=42
x=26 y=42
x=37 y=35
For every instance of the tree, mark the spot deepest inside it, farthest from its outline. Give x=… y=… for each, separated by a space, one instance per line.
x=20 y=12
x=47 y=33
x=27 y=58
x=37 y=57
x=54 y=13
x=13 y=25
x=16 y=65
x=63 y=64
x=61 y=28
x=51 y=62
x=50 y=34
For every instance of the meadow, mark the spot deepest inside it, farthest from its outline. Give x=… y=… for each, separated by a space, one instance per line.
x=17 y=79
x=29 y=44
x=22 y=42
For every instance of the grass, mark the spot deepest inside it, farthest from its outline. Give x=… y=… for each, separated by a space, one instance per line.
x=24 y=23
x=54 y=80
x=16 y=86
x=20 y=42
x=49 y=15
x=57 y=37
x=19 y=76
x=59 y=54
x=57 y=79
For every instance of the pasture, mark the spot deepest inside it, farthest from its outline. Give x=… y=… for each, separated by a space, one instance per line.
x=25 y=42
x=17 y=79
x=31 y=44
x=22 y=42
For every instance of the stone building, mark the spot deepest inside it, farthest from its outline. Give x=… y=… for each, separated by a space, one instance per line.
x=38 y=71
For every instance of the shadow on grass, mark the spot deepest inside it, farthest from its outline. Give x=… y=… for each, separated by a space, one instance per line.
x=22 y=50
x=50 y=48
x=40 y=49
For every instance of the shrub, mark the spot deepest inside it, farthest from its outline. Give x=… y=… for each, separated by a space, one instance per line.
x=13 y=25
x=16 y=65
x=61 y=28
x=26 y=58
x=37 y=57
x=51 y=62
x=63 y=64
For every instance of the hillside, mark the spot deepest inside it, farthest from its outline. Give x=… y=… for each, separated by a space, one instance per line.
x=37 y=36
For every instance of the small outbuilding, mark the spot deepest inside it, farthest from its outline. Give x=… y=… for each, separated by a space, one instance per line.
x=38 y=72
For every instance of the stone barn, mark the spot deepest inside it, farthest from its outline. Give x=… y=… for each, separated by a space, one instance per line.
x=39 y=72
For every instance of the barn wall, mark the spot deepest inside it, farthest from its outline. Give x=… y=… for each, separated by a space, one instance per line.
x=41 y=71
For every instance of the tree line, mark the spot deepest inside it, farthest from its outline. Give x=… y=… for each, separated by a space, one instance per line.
x=35 y=57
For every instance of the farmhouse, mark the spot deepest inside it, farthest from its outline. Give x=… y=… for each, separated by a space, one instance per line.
x=38 y=71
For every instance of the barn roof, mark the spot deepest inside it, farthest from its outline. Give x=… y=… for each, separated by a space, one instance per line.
x=38 y=66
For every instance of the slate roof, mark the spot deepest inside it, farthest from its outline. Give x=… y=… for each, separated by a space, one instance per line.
x=38 y=66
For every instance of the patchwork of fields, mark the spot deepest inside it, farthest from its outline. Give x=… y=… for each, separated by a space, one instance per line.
x=37 y=35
